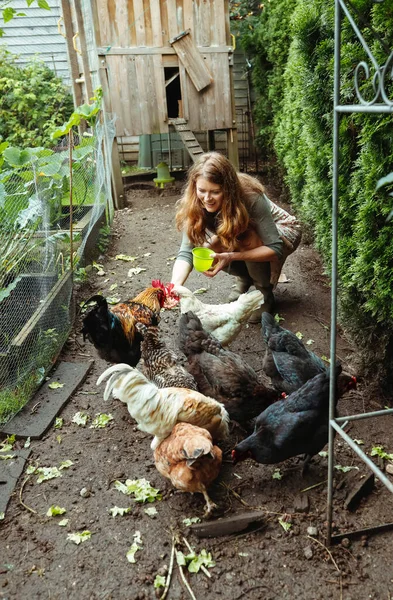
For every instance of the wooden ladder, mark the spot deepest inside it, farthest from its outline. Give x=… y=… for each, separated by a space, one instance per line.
x=187 y=137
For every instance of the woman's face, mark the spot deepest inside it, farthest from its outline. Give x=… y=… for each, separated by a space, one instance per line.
x=210 y=194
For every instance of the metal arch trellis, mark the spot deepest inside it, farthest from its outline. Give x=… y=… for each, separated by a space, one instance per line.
x=380 y=103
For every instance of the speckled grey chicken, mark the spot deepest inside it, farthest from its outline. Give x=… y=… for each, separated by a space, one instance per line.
x=287 y=361
x=222 y=374
x=161 y=365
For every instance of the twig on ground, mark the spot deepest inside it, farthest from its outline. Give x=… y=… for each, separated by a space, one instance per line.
x=186 y=583
x=223 y=484
x=327 y=550
x=313 y=486
x=170 y=570
x=20 y=496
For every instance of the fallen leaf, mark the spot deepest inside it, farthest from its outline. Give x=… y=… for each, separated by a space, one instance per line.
x=277 y=474
x=191 y=520
x=309 y=342
x=101 y=420
x=113 y=287
x=80 y=418
x=159 y=581
x=135 y=271
x=126 y=257
x=46 y=473
x=201 y=290
x=116 y=510
x=56 y=385
x=141 y=489
x=65 y=464
x=151 y=511
x=345 y=469
x=299 y=335
x=134 y=547
x=58 y=423
x=55 y=510
x=284 y=524
x=77 y=538
x=63 y=522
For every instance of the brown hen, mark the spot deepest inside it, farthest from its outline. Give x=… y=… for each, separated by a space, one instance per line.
x=190 y=460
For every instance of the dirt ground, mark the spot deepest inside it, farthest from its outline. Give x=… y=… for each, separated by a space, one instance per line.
x=38 y=561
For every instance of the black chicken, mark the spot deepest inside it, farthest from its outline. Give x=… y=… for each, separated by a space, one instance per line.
x=287 y=361
x=222 y=374
x=296 y=425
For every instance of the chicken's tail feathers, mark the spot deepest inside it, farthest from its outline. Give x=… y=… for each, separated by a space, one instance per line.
x=98 y=299
x=269 y=325
x=193 y=339
x=248 y=302
x=191 y=333
x=113 y=373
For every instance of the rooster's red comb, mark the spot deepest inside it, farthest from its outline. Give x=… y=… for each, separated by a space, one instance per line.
x=157 y=283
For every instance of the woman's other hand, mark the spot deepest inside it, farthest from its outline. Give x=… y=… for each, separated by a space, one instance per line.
x=221 y=260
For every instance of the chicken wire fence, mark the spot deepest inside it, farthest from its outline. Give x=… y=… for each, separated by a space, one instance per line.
x=52 y=205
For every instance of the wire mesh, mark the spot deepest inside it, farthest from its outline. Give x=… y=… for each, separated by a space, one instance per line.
x=51 y=201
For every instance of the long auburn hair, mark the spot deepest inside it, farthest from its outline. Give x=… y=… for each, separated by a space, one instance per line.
x=237 y=188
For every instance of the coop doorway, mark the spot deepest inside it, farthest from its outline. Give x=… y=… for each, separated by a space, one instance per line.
x=173 y=93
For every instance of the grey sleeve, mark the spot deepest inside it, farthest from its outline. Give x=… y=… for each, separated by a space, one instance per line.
x=185 y=250
x=266 y=229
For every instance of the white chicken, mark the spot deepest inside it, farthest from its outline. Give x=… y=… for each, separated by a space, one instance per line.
x=224 y=321
x=158 y=410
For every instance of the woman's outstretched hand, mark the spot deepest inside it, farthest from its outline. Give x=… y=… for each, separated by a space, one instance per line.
x=221 y=260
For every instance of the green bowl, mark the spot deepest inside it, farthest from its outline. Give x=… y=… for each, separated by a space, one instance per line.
x=201 y=259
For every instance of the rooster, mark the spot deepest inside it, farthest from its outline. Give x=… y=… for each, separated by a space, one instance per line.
x=296 y=425
x=287 y=361
x=112 y=330
x=161 y=364
x=221 y=373
x=190 y=460
x=158 y=410
x=224 y=321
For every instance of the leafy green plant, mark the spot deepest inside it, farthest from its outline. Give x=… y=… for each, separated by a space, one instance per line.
x=34 y=101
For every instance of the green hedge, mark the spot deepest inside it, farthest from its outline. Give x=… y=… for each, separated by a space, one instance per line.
x=292 y=48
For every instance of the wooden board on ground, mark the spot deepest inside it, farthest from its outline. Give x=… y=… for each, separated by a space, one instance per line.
x=228 y=526
x=10 y=471
x=39 y=413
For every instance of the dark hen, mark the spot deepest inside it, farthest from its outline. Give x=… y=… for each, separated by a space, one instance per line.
x=112 y=330
x=296 y=425
x=287 y=361
x=222 y=374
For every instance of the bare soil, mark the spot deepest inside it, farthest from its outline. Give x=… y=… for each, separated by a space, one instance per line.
x=37 y=560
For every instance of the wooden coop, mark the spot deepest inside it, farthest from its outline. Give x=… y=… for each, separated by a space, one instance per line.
x=168 y=64
x=164 y=65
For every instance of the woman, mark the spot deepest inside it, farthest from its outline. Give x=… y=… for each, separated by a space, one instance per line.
x=249 y=235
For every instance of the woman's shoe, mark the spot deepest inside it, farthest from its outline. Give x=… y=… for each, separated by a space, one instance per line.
x=242 y=286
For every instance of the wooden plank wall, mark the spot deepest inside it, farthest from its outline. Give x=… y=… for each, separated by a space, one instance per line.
x=129 y=146
x=134 y=39
x=37 y=34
